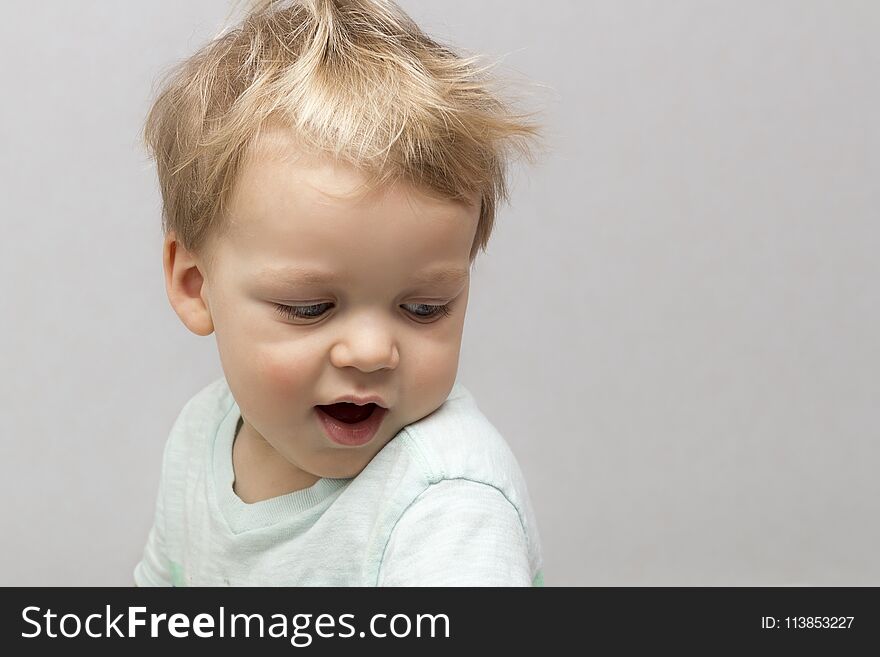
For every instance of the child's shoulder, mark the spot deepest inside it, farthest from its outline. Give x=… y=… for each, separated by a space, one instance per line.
x=201 y=414
x=457 y=441
x=211 y=401
x=215 y=396
x=455 y=460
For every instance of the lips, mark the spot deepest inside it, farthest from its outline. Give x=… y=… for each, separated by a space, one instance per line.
x=350 y=433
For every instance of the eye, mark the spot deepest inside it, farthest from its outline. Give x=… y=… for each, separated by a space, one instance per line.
x=301 y=312
x=421 y=310
x=427 y=311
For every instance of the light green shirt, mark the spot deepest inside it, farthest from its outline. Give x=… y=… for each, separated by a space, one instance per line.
x=444 y=503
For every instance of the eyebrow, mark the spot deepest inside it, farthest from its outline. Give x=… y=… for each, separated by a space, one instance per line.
x=293 y=275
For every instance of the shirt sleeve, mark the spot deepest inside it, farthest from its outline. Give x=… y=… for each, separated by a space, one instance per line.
x=457 y=533
x=153 y=568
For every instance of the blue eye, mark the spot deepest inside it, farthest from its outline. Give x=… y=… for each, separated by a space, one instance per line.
x=299 y=312
x=424 y=310
x=433 y=311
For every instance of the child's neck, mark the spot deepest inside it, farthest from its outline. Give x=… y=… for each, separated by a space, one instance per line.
x=260 y=472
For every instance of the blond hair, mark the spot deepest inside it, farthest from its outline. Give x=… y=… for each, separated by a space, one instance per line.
x=355 y=79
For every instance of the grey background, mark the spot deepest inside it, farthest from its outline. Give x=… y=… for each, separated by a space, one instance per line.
x=675 y=328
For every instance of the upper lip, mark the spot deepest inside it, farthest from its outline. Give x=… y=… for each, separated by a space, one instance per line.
x=361 y=401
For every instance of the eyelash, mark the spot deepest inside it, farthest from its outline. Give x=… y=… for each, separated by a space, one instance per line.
x=291 y=312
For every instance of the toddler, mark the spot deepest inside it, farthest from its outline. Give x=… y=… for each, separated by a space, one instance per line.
x=328 y=175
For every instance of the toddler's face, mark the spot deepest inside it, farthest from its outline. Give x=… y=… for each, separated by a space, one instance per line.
x=373 y=327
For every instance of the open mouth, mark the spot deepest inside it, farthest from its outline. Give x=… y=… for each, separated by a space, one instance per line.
x=349 y=413
x=349 y=424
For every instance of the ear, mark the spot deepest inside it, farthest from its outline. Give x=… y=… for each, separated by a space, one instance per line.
x=185 y=286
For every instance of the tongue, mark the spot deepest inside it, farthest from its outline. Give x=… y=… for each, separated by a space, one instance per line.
x=347 y=412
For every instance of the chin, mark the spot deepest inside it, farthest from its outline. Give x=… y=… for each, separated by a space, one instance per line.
x=342 y=470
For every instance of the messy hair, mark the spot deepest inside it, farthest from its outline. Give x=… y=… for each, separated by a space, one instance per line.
x=357 y=80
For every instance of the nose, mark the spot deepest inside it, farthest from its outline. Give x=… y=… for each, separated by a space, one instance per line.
x=368 y=346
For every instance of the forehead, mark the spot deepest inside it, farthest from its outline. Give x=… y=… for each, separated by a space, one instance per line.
x=290 y=204
x=276 y=159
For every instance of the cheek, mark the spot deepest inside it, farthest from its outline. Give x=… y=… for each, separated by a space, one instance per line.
x=433 y=366
x=284 y=369
x=430 y=380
